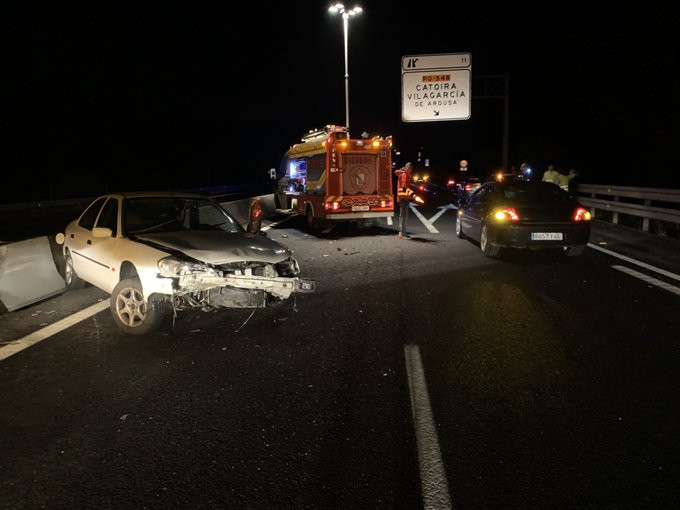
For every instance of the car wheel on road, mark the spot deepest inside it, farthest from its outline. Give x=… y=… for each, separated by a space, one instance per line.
x=70 y=276
x=488 y=249
x=459 y=229
x=574 y=251
x=131 y=312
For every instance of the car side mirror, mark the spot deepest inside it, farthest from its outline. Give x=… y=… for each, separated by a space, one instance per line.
x=102 y=232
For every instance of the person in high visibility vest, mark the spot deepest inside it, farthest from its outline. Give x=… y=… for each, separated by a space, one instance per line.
x=255 y=216
x=404 y=193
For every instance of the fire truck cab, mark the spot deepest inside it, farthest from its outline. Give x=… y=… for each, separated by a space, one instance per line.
x=330 y=177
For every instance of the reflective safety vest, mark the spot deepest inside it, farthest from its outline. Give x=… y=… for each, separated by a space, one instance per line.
x=403 y=181
x=255 y=213
x=404 y=193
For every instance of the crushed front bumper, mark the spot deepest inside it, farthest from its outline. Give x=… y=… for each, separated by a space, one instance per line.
x=235 y=291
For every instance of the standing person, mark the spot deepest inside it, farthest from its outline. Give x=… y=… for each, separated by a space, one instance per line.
x=525 y=171
x=563 y=179
x=403 y=196
x=574 y=181
x=551 y=175
x=255 y=216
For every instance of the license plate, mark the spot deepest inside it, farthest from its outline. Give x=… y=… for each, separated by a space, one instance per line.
x=546 y=236
x=361 y=208
x=306 y=285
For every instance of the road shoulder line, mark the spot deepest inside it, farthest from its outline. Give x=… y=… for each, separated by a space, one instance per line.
x=46 y=332
x=636 y=262
x=648 y=279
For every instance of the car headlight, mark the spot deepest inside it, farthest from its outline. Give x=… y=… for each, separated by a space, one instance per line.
x=172 y=267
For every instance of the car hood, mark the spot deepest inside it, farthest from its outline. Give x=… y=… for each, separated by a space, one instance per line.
x=220 y=247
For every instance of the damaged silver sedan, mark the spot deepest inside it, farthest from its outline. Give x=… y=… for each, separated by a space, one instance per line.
x=157 y=253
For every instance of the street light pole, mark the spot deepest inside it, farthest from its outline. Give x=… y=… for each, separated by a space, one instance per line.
x=345 y=26
x=346 y=14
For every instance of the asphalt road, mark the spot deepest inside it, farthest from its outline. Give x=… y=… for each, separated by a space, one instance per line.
x=551 y=382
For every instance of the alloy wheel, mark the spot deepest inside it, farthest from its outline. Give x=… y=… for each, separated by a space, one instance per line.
x=131 y=307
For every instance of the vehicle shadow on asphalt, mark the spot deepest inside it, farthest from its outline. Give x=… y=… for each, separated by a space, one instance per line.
x=424 y=240
x=536 y=257
x=340 y=230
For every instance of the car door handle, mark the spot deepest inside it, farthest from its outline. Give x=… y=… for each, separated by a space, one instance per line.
x=89 y=242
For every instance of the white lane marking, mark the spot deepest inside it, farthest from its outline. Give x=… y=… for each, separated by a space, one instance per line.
x=389 y=220
x=427 y=224
x=433 y=483
x=648 y=279
x=636 y=262
x=52 y=329
x=271 y=225
x=443 y=209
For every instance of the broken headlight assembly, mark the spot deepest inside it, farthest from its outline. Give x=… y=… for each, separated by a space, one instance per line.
x=288 y=268
x=172 y=267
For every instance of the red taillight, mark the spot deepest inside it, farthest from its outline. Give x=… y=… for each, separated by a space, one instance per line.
x=507 y=213
x=331 y=205
x=582 y=214
x=385 y=203
x=451 y=182
x=421 y=187
x=468 y=187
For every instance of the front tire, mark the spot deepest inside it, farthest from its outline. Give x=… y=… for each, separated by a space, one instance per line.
x=133 y=314
x=488 y=248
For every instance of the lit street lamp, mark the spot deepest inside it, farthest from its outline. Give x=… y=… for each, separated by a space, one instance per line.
x=346 y=14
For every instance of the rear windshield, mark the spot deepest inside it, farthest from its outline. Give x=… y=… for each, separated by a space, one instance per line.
x=529 y=192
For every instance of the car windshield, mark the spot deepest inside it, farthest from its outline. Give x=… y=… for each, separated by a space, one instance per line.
x=171 y=214
x=528 y=192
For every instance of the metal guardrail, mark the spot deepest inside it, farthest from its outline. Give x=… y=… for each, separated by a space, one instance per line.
x=608 y=198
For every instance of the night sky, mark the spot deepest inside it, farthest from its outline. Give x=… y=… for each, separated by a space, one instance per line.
x=100 y=96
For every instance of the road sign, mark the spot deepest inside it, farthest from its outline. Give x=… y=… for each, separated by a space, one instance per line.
x=436 y=87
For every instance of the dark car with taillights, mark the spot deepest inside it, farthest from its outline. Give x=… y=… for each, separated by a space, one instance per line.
x=521 y=214
x=464 y=186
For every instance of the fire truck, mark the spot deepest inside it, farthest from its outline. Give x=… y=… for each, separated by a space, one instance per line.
x=330 y=177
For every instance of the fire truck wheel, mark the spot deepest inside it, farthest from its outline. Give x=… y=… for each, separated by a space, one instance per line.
x=312 y=222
